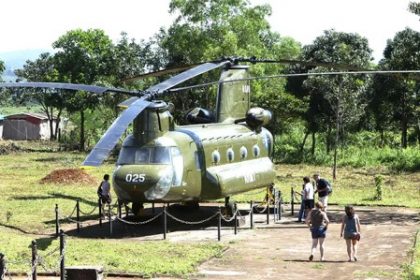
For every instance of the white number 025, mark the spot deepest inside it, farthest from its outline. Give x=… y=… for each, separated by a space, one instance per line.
x=135 y=178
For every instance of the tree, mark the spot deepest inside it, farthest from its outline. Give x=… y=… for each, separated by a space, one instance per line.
x=2 y=67
x=336 y=102
x=401 y=93
x=42 y=69
x=414 y=7
x=210 y=29
x=83 y=57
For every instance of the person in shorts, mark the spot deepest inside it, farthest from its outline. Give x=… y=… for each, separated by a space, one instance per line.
x=317 y=221
x=350 y=229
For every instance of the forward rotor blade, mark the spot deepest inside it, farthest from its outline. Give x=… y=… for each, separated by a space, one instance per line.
x=180 y=78
x=159 y=73
x=89 y=88
x=108 y=141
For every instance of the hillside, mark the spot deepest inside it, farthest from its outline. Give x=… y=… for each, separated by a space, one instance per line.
x=16 y=59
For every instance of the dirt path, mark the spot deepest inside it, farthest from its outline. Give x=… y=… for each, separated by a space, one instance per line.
x=282 y=250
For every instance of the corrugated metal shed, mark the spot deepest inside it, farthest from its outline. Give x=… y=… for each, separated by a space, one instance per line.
x=26 y=126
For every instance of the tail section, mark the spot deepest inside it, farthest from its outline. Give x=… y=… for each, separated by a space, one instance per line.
x=233 y=98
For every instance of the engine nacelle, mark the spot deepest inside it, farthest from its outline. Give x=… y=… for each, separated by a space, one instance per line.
x=257 y=117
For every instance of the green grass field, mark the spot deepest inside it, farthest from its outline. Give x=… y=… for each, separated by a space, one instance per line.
x=27 y=213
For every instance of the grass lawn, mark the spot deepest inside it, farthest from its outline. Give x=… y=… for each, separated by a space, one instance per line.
x=27 y=213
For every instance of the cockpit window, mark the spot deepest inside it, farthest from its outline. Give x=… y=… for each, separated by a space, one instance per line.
x=134 y=155
x=160 y=155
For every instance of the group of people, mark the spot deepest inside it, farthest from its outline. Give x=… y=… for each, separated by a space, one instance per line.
x=315 y=215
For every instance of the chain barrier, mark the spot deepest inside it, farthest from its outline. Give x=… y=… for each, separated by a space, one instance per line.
x=259 y=205
x=139 y=223
x=42 y=259
x=189 y=222
x=88 y=213
x=243 y=217
x=231 y=218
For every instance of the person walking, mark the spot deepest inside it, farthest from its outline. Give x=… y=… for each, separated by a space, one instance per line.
x=350 y=229
x=323 y=188
x=318 y=221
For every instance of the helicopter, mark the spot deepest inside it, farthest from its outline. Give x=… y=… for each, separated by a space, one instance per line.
x=215 y=156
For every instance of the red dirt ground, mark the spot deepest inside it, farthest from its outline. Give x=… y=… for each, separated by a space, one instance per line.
x=68 y=176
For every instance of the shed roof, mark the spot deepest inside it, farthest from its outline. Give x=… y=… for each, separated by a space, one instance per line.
x=25 y=115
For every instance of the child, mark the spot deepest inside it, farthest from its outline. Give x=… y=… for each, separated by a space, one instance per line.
x=350 y=227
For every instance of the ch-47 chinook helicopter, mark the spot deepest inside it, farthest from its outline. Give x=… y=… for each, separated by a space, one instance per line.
x=214 y=157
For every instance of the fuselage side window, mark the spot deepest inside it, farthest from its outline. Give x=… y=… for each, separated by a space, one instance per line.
x=256 y=150
x=230 y=154
x=215 y=156
x=244 y=152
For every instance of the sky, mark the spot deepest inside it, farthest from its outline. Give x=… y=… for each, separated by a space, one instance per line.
x=28 y=24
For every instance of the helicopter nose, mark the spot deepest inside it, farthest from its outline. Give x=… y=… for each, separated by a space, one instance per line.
x=149 y=181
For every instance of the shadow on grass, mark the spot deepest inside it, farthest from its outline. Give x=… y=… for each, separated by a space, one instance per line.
x=44 y=242
x=55 y=196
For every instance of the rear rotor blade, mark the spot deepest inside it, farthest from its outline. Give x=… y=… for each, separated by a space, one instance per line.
x=108 y=141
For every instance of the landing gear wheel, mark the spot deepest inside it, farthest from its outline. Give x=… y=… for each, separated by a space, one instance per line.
x=230 y=207
x=137 y=208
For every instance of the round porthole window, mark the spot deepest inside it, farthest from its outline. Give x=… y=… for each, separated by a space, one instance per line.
x=215 y=156
x=244 y=152
x=230 y=154
x=256 y=150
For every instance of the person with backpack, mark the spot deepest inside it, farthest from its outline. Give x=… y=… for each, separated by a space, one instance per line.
x=323 y=188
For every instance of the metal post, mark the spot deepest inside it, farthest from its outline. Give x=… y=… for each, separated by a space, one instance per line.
x=110 y=219
x=100 y=211
x=235 y=220
x=219 y=224
x=274 y=205
x=153 y=208
x=280 y=203
x=2 y=267
x=62 y=248
x=268 y=211
x=34 y=259
x=251 y=215
x=165 y=222
x=292 y=201
x=57 y=224
x=78 y=215
x=119 y=209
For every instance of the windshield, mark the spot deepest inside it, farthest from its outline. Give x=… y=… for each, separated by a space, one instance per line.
x=134 y=155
